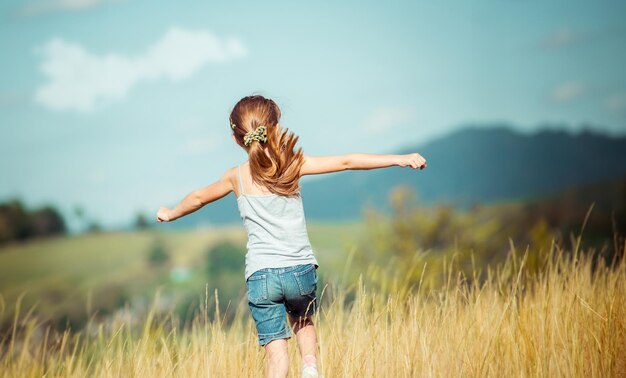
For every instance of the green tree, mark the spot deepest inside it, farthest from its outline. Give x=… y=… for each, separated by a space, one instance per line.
x=17 y=223
x=14 y=222
x=224 y=257
x=224 y=269
x=158 y=255
x=47 y=221
x=141 y=222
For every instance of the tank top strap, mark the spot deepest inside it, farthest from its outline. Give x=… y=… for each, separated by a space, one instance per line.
x=240 y=182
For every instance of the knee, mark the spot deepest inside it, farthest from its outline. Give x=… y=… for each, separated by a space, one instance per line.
x=277 y=358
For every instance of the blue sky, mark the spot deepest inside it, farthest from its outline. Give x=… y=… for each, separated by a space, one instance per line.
x=122 y=106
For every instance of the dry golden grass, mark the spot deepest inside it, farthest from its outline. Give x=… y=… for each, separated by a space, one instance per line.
x=569 y=320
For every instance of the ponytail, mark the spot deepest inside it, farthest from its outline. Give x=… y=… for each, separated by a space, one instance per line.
x=274 y=164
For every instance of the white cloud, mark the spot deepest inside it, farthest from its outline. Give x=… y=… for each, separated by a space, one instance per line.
x=80 y=80
x=566 y=37
x=561 y=38
x=98 y=176
x=49 y=6
x=617 y=103
x=386 y=118
x=566 y=92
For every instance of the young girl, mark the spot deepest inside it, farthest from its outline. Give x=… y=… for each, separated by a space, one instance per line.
x=280 y=266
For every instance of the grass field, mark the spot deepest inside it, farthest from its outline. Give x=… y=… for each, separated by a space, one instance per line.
x=566 y=320
x=71 y=277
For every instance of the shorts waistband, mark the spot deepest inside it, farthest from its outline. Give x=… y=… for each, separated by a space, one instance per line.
x=281 y=270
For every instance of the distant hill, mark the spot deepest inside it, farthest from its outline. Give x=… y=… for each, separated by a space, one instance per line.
x=473 y=165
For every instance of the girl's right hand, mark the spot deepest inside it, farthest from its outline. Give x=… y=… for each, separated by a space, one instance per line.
x=163 y=215
x=413 y=160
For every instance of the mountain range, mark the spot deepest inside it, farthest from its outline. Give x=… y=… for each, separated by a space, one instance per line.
x=479 y=164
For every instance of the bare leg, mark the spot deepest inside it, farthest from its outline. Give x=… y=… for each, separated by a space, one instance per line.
x=277 y=359
x=305 y=333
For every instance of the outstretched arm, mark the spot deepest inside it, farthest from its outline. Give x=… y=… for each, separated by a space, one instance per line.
x=198 y=198
x=314 y=165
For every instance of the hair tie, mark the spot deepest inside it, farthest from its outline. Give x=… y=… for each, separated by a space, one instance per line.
x=258 y=134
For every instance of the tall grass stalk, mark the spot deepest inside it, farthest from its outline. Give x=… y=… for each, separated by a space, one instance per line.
x=569 y=319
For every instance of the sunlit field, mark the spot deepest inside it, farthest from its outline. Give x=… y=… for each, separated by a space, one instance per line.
x=459 y=169
x=567 y=319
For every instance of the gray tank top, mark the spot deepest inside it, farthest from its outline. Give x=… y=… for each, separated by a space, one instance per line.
x=277 y=234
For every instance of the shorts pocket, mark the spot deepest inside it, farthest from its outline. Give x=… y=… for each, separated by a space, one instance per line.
x=257 y=288
x=306 y=279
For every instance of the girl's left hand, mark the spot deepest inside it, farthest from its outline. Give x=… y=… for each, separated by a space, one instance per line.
x=163 y=215
x=413 y=160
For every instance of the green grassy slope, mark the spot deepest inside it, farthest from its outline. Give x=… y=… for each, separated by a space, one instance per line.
x=71 y=276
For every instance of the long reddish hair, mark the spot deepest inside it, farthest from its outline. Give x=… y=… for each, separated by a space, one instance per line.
x=274 y=164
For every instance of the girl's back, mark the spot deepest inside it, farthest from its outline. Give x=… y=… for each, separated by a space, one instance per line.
x=276 y=226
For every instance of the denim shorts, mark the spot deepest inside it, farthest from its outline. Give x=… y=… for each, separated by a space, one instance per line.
x=275 y=292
